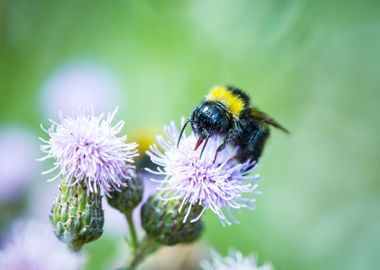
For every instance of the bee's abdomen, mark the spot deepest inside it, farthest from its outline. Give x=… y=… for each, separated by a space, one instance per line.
x=252 y=143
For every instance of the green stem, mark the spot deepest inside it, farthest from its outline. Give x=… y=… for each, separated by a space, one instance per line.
x=147 y=247
x=132 y=230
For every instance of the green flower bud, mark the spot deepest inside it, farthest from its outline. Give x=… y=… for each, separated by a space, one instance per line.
x=163 y=222
x=77 y=215
x=130 y=195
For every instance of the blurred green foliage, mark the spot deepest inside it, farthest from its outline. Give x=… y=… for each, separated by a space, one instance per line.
x=313 y=65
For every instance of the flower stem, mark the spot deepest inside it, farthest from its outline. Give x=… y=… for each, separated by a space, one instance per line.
x=132 y=230
x=147 y=247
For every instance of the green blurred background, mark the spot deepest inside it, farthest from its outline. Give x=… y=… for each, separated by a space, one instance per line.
x=313 y=65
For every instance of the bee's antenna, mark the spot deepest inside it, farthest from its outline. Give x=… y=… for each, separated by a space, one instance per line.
x=182 y=130
x=204 y=146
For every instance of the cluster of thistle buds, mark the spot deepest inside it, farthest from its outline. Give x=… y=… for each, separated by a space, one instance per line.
x=92 y=160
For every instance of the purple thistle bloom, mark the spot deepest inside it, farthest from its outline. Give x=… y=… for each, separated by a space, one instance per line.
x=85 y=148
x=234 y=260
x=219 y=186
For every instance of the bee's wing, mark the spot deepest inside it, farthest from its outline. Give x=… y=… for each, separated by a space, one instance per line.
x=261 y=116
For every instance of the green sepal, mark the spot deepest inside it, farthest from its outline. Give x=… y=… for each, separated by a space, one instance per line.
x=163 y=222
x=128 y=196
x=77 y=216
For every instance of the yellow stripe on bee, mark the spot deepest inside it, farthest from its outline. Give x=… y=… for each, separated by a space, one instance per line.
x=223 y=95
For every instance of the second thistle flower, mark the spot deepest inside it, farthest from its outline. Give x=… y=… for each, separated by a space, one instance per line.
x=199 y=181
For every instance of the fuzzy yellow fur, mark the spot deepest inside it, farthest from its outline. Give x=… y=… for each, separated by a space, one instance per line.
x=233 y=103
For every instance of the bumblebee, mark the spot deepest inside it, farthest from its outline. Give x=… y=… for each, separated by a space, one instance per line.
x=227 y=111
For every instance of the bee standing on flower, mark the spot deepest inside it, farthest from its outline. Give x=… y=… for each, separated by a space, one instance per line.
x=227 y=111
x=222 y=186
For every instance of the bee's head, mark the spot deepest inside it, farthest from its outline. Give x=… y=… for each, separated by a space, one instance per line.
x=210 y=118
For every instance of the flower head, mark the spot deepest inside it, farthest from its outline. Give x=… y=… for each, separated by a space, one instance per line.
x=85 y=148
x=235 y=260
x=218 y=185
x=33 y=246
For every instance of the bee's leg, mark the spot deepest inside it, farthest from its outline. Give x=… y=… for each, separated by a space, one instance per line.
x=204 y=146
x=230 y=138
x=220 y=148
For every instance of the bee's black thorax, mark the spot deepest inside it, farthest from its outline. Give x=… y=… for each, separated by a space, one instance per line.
x=211 y=118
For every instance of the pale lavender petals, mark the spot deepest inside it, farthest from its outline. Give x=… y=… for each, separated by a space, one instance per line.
x=85 y=148
x=219 y=186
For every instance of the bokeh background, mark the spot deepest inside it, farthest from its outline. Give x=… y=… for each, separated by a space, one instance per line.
x=313 y=65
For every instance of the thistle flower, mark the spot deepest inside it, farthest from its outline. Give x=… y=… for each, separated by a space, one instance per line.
x=196 y=180
x=86 y=149
x=235 y=260
x=33 y=246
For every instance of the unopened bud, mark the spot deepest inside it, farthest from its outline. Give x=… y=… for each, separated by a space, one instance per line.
x=164 y=222
x=77 y=215
x=130 y=195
